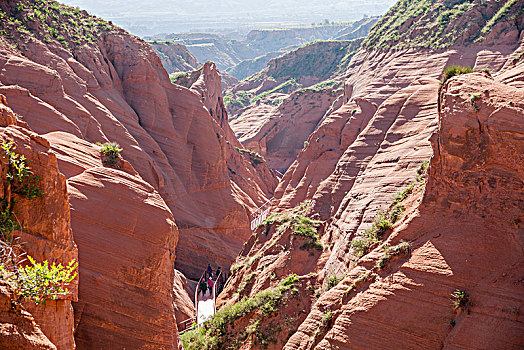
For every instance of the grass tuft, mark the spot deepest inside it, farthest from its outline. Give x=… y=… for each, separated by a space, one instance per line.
x=454 y=70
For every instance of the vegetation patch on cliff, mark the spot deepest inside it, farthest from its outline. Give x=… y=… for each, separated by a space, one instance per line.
x=299 y=223
x=320 y=59
x=49 y=21
x=385 y=219
x=110 y=153
x=285 y=87
x=253 y=156
x=454 y=70
x=37 y=282
x=440 y=24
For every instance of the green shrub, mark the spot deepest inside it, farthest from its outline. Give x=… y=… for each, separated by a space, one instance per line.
x=253 y=156
x=404 y=193
x=422 y=171
x=284 y=87
x=175 y=76
x=110 y=152
x=20 y=180
x=300 y=225
x=454 y=70
x=19 y=175
x=474 y=97
x=239 y=100
x=382 y=223
x=327 y=319
x=395 y=213
x=8 y=221
x=305 y=227
x=39 y=281
x=362 y=244
x=245 y=281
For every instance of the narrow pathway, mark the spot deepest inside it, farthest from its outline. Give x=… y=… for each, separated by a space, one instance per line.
x=206 y=308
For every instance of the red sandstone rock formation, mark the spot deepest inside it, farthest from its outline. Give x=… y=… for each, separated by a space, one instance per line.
x=117 y=90
x=19 y=329
x=278 y=124
x=463 y=234
x=178 y=161
x=279 y=132
x=46 y=235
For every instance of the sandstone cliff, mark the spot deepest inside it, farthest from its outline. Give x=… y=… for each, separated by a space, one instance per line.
x=97 y=83
x=464 y=235
x=354 y=174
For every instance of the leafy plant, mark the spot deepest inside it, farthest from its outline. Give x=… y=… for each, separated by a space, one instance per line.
x=39 y=281
x=19 y=175
x=8 y=221
x=327 y=319
x=474 y=97
x=20 y=180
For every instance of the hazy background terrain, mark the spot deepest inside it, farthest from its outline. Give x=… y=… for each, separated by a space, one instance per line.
x=147 y=17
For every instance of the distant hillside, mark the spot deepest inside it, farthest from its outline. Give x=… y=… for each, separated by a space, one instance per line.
x=242 y=58
x=246 y=68
x=303 y=67
x=175 y=57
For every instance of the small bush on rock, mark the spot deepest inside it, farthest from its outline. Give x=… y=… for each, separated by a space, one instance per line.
x=110 y=152
x=333 y=281
x=453 y=70
x=460 y=300
x=391 y=251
